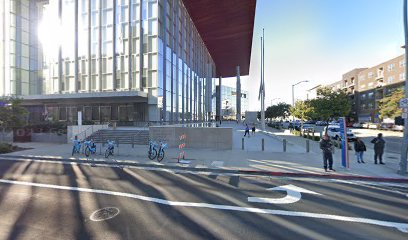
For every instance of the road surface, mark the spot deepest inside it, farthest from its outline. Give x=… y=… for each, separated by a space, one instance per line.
x=42 y=200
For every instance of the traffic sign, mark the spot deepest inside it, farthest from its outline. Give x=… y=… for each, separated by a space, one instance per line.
x=403 y=103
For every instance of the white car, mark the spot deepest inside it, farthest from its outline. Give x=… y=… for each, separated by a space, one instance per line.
x=333 y=131
x=357 y=125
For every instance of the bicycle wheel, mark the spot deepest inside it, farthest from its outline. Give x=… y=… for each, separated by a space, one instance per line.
x=152 y=154
x=160 y=155
x=87 y=152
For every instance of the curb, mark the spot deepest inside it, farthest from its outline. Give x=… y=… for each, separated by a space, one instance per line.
x=218 y=170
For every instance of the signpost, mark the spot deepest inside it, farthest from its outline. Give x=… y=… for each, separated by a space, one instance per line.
x=344 y=143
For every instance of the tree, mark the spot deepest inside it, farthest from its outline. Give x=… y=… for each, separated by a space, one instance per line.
x=301 y=110
x=12 y=114
x=275 y=111
x=330 y=104
x=389 y=106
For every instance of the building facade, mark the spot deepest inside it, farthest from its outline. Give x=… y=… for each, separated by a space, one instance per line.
x=113 y=60
x=367 y=86
x=229 y=102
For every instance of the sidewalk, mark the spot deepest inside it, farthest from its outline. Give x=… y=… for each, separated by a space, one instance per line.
x=273 y=159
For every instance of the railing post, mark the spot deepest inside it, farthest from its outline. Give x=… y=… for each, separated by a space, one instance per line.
x=242 y=144
x=263 y=144
x=117 y=145
x=307 y=145
x=284 y=145
x=133 y=141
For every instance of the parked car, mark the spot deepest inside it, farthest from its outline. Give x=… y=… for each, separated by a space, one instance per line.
x=310 y=122
x=308 y=128
x=285 y=124
x=373 y=126
x=398 y=128
x=333 y=131
x=365 y=125
x=357 y=125
x=387 y=126
x=321 y=123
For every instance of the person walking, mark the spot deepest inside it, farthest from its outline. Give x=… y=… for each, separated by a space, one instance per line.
x=379 y=145
x=246 y=130
x=253 y=129
x=359 y=148
x=326 y=145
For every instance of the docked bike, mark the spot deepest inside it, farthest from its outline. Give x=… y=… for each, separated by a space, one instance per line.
x=90 y=147
x=110 y=149
x=76 y=148
x=152 y=153
x=160 y=153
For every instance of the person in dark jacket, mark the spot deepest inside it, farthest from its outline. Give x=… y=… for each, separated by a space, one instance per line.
x=327 y=148
x=359 y=148
x=379 y=145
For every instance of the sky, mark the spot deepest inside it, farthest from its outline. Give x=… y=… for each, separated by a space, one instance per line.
x=319 y=41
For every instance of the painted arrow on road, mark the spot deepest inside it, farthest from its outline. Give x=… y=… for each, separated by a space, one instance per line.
x=293 y=195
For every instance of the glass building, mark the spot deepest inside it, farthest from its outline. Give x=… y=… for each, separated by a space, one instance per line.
x=229 y=102
x=113 y=60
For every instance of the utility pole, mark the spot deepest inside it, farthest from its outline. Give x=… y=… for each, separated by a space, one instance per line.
x=404 y=147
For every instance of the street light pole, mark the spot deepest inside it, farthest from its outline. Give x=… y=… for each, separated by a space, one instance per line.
x=293 y=93
x=404 y=147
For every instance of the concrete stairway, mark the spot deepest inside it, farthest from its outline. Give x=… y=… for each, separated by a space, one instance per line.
x=139 y=137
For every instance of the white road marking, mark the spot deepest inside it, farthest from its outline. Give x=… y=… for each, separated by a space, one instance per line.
x=403 y=227
x=293 y=195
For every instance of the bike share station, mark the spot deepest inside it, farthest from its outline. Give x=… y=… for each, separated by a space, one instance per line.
x=345 y=160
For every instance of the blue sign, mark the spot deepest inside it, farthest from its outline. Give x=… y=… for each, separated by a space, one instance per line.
x=344 y=143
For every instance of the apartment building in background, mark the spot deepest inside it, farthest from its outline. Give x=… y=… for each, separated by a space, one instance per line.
x=121 y=60
x=367 y=86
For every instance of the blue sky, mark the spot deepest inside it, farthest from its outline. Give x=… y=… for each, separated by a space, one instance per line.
x=319 y=40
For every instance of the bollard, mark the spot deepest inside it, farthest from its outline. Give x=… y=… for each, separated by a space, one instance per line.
x=243 y=143
x=307 y=145
x=133 y=141
x=284 y=145
x=263 y=144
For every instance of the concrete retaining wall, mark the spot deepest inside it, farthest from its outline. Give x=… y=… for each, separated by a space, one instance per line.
x=6 y=137
x=196 y=137
x=48 y=137
x=82 y=131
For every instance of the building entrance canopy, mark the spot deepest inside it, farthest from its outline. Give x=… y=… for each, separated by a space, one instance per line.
x=226 y=27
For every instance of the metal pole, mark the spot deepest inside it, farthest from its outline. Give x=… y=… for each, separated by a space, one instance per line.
x=263 y=144
x=307 y=145
x=284 y=145
x=242 y=143
x=263 y=83
x=404 y=147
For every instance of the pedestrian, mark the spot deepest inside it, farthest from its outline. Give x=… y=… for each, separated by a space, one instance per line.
x=359 y=148
x=327 y=148
x=379 y=145
x=253 y=129
x=246 y=130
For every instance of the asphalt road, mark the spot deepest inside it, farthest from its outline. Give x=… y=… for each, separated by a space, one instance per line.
x=40 y=200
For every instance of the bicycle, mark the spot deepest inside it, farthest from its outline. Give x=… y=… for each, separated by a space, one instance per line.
x=76 y=148
x=152 y=153
x=90 y=148
x=160 y=154
x=110 y=149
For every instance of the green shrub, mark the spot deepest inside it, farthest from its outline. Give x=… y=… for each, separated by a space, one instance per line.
x=6 y=148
